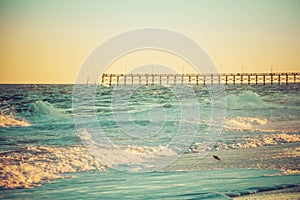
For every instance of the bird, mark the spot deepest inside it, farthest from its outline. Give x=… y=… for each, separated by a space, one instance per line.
x=217 y=157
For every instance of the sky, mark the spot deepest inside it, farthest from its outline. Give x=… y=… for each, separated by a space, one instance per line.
x=48 y=41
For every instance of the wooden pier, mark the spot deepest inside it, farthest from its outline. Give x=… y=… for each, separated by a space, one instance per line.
x=201 y=79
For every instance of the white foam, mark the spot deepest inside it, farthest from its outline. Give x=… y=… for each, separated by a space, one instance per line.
x=10 y=120
x=264 y=140
x=31 y=166
x=245 y=123
x=114 y=156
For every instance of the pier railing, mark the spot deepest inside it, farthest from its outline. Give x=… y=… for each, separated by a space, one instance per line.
x=201 y=79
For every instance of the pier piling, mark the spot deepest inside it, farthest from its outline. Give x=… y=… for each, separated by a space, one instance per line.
x=190 y=79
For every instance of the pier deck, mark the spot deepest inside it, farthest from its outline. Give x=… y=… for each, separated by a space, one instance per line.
x=201 y=79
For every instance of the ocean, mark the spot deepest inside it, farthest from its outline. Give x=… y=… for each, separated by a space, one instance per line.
x=147 y=142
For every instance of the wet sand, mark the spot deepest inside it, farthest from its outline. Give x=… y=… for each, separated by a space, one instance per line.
x=283 y=157
x=282 y=194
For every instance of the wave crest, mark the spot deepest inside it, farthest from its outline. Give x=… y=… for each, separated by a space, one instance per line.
x=46 y=108
x=31 y=166
x=246 y=100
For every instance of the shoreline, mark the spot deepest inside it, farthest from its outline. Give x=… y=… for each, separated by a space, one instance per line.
x=32 y=166
x=282 y=157
x=291 y=193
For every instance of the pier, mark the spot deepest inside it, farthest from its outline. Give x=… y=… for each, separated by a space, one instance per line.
x=201 y=79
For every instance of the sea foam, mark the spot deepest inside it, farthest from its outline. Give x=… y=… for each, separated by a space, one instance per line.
x=245 y=123
x=117 y=155
x=264 y=140
x=30 y=167
x=10 y=120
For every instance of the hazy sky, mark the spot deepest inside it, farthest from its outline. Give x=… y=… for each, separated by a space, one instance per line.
x=47 y=41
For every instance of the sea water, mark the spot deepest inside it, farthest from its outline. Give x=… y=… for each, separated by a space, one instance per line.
x=258 y=146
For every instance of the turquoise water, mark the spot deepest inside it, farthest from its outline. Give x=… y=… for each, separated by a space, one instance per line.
x=206 y=184
x=251 y=112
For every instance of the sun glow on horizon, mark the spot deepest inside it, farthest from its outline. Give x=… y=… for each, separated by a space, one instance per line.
x=47 y=41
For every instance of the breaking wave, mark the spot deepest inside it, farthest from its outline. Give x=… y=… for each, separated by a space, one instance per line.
x=132 y=158
x=246 y=100
x=30 y=167
x=8 y=119
x=46 y=108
